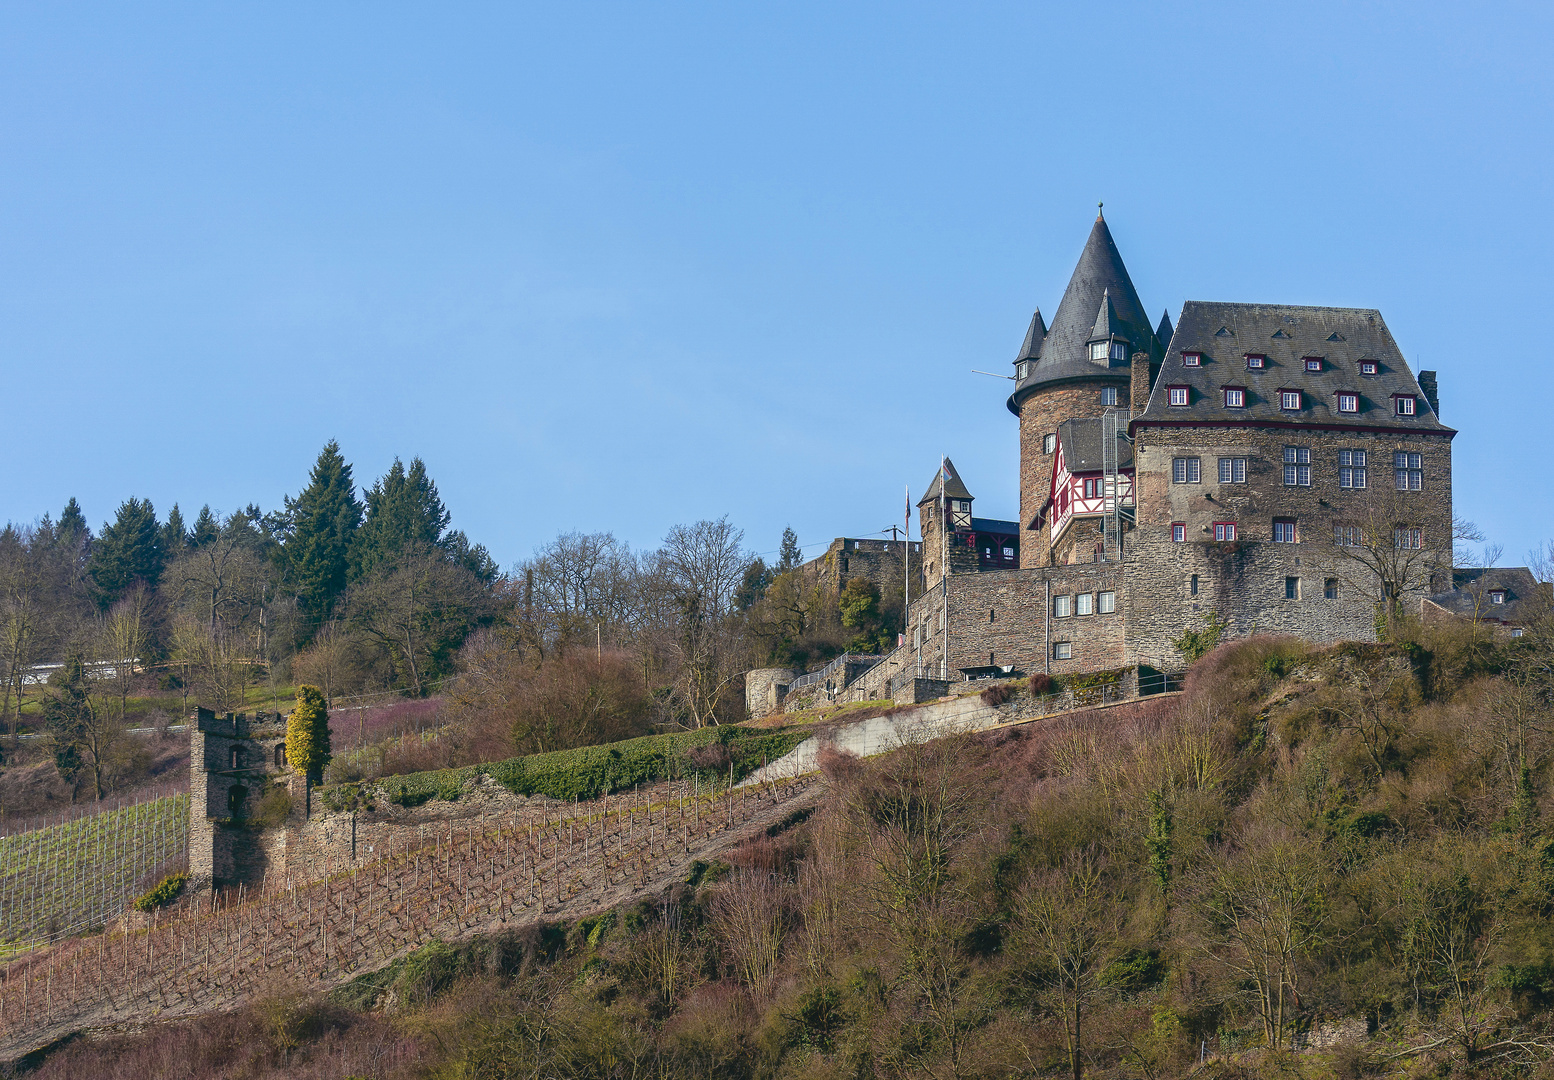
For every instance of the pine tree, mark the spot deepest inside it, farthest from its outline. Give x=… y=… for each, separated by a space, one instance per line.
x=175 y=537
x=791 y=555
x=128 y=551
x=72 y=526
x=403 y=508
x=307 y=734
x=320 y=525
x=206 y=528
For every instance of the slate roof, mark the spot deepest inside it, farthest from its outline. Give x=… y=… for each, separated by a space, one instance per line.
x=1031 y=348
x=954 y=490
x=995 y=525
x=1064 y=355
x=1081 y=441
x=1472 y=585
x=1223 y=334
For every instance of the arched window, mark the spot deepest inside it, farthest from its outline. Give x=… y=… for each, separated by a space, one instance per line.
x=237 y=795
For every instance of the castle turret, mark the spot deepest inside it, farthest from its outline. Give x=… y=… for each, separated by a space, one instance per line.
x=1076 y=369
x=944 y=520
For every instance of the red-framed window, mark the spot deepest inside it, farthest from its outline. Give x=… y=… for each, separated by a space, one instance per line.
x=1094 y=488
x=1224 y=530
x=1404 y=404
x=1179 y=532
x=1313 y=363
x=1289 y=400
x=1284 y=531
x=1368 y=367
x=1192 y=359
x=1256 y=361
x=1177 y=395
x=1348 y=402
x=1235 y=397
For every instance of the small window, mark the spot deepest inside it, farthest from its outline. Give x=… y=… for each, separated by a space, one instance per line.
x=1022 y=369
x=1292 y=588
x=1008 y=552
x=1330 y=589
x=1313 y=363
x=1179 y=531
x=1178 y=395
x=1119 y=351
x=1105 y=602
x=1224 y=530
x=1351 y=469
x=1284 y=531
x=1108 y=395
x=237 y=758
x=1062 y=606
x=1192 y=586
x=1235 y=398
x=1289 y=400
x=1407 y=537
x=1407 y=471
x=1232 y=470
x=1084 y=604
x=1049 y=443
x=1516 y=631
x=844 y=564
x=992 y=614
x=1349 y=403
x=1256 y=361
x=1192 y=359
x=1186 y=470
x=1497 y=596
x=1297 y=466
x=1405 y=406
x=1098 y=350
x=1346 y=535
x=1062 y=650
x=1093 y=489
x=1367 y=367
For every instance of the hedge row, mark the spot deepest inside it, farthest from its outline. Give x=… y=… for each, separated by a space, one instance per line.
x=589 y=771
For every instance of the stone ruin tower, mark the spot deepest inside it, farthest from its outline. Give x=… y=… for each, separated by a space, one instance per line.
x=233 y=760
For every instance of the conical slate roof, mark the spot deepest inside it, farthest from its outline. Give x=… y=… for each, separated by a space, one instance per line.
x=1164 y=331
x=954 y=489
x=1099 y=278
x=1033 y=338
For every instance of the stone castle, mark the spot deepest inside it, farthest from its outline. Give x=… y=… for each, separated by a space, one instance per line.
x=1262 y=467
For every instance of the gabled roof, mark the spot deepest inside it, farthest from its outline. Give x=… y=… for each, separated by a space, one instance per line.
x=1471 y=586
x=1223 y=335
x=1105 y=319
x=1031 y=349
x=1081 y=442
x=996 y=526
x=953 y=490
x=1064 y=355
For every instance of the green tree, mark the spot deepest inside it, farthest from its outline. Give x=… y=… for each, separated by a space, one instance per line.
x=791 y=555
x=175 y=536
x=403 y=508
x=72 y=523
x=859 y=607
x=758 y=578
x=128 y=551
x=207 y=527
x=307 y=733
x=317 y=530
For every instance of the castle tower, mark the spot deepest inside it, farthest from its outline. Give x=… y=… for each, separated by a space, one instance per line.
x=1077 y=368
x=946 y=531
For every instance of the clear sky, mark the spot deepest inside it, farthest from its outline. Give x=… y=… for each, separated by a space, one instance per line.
x=610 y=266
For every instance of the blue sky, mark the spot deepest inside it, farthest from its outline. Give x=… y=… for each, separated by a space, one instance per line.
x=619 y=266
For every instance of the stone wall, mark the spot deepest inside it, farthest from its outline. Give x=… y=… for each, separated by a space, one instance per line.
x=881 y=562
x=1040 y=415
x=765 y=689
x=231 y=760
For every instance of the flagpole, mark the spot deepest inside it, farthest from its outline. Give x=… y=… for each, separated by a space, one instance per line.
x=906 y=574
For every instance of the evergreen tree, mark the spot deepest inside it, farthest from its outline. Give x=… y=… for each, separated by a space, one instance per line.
x=307 y=733
x=403 y=508
x=791 y=555
x=318 y=530
x=175 y=537
x=207 y=527
x=72 y=528
x=758 y=578
x=473 y=557
x=128 y=551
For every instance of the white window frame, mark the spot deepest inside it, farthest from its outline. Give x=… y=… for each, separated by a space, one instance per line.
x=1108 y=395
x=1347 y=536
x=1348 y=403
x=1368 y=367
x=1084 y=604
x=1313 y=363
x=1119 y=350
x=1353 y=472
x=1062 y=650
x=1105 y=602
x=1256 y=361
x=1192 y=359
x=1235 y=397
x=1178 y=396
x=1408 y=538
x=1232 y=470
x=1190 y=469
x=1289 y=400
x=1224 y=531
x=1062 y=606
x=1405 y=406
x=1049 y=443
x=1178 y=532
x=1098 y=350
x=1497 y=596
x=1285 y=531
x=1407 y=470
x=1297 y=466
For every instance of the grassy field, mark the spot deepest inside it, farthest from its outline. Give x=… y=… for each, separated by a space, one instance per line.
x=69 y=878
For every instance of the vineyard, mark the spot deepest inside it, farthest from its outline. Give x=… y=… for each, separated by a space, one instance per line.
x=554 y=862
x=65 y=879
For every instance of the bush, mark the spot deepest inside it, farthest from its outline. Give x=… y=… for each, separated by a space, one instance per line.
x=307 y=733
x=1042 y=684
x=589 y=771
x=997 y=695
x=165 y=892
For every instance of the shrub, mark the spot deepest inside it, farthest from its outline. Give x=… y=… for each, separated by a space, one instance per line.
x=273 y=807
x=307 y=733
x=997 y=695
x=163 y=893
x=1041 y=684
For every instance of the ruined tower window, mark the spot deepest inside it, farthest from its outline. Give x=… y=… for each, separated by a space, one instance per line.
x=1179 y=531
x=1084 y=604
x=1284 y=531
x=280 y=754
x=1062 y=650
x=236 y=758
x=1351 y=469
x=1292 y=588
x=1192 y=586
x=1330 y=589
x=844 y=564
x=237 y=795
x=1062 y=606
x=1049 y=443
x=1106 y=602
x=1108 y=395
x=1185 y=470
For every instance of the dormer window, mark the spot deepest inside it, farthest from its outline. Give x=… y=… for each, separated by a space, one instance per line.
x=1313 y=363
x=1497 y=596
x=1256 y=361
x=1192 y=359
x=1098 y=350
x=1235 y=397
x=1119 y=350
x=1178 y=395
x=1405 y=405
x=1348 y=403
x=1368 y=367
x=1289 y=400
x=1022 y=370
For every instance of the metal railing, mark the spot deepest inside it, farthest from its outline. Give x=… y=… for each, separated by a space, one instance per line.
x=902 y=679
x=832 y=668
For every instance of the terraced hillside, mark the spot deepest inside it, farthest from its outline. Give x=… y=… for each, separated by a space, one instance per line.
x=557 y=861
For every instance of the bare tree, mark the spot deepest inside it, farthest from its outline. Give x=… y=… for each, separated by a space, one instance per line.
x=702 y=565
x=122 y=639
x=1388 y=554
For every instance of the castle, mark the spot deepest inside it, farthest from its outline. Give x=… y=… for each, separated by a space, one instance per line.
x=1257 y=467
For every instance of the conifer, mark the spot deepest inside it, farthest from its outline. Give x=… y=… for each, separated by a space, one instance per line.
x=307 y=733
x=403 y=508
x=320 y=526
x=128 y=551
